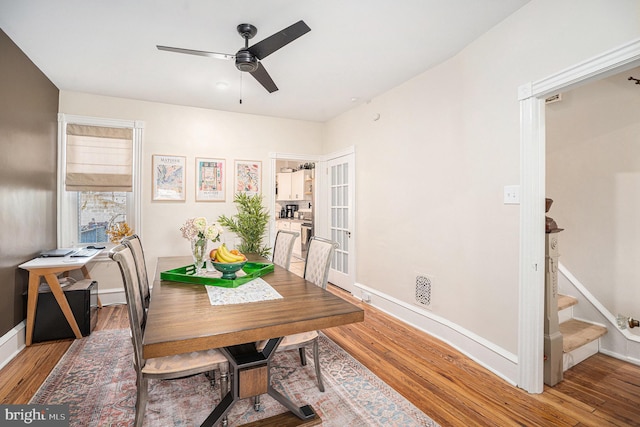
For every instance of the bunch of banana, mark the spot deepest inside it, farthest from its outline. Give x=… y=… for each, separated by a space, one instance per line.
x=224 y=255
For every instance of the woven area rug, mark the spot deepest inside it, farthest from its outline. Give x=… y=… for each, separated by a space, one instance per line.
x=96 y=378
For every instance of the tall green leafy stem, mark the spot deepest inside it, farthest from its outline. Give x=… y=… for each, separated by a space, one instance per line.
x=249 y=224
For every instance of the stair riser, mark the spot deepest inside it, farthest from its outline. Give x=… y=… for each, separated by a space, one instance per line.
x=564 y=315
x=579 y=354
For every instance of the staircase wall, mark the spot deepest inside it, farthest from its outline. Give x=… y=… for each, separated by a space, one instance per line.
x=617 y=343
x=593 y=176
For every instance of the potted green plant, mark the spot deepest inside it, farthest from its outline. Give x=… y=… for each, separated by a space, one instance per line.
x=249 y=224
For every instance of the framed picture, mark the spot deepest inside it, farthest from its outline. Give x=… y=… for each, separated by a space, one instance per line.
x=248 y=177
x=210 y=182
x=168 y=177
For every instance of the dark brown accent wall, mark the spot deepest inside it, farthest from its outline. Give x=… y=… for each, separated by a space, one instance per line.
x=28 y=141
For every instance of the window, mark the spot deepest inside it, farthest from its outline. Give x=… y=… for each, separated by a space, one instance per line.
x=98 y=178
x=99 y=212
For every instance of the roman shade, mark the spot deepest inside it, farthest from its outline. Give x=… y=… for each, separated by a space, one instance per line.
x=99 y=158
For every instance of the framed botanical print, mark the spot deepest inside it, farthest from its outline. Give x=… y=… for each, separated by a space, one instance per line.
x=210 y=180
x=168 y=177
x=248 y=177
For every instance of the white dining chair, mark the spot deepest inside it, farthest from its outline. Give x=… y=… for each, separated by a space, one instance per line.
x=316 y=270
x=168 y=367
x=283 y=248
x=135 y=244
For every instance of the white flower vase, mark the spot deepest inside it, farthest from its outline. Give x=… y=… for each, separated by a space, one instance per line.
x=199 y=252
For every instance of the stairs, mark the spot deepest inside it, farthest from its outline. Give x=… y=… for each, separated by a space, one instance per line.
x=579 y=338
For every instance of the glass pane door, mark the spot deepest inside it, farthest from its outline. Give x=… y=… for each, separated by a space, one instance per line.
x=341 y=220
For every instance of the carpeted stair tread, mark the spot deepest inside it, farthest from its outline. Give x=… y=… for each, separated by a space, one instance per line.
x=566 y=301
x=576 y=333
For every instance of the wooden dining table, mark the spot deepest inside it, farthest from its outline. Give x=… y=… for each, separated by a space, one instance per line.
x=181 y=319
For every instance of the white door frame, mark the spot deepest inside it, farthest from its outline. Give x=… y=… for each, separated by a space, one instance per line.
x=532 y=196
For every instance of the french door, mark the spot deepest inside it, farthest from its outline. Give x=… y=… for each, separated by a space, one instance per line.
x=341 y=177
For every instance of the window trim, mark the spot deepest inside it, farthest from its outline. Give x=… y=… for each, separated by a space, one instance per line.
x=67 y=200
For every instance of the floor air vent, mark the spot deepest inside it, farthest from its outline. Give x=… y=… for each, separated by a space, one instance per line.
x=423 y=290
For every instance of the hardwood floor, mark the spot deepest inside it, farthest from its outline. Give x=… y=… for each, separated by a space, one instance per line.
x=455 y=391
x=443 y=383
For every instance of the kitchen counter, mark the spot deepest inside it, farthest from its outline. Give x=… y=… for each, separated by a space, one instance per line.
x=294 y=220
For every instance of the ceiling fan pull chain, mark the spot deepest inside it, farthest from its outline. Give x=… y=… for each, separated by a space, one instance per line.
x=241 y=88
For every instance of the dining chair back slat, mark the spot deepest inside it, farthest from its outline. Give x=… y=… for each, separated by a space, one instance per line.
x=135 y=244
x=316 y=271
x=168 y=367
x=283 y=247
x=318 y=262
x=123 y=255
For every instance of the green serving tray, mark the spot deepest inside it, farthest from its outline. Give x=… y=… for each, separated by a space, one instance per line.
x=185 y=275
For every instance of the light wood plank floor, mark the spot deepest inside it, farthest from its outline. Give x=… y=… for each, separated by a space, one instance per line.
x=455 y=391
x=443 y=383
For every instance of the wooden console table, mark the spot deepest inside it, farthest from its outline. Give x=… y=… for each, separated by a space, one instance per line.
x=50 y=268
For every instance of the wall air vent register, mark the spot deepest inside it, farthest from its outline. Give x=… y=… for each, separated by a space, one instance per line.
x=423 y=290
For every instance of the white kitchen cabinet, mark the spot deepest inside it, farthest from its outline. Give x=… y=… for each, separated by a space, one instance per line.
x=282 y=224
x=284 y=186
x=294 y=186
x=297 y=185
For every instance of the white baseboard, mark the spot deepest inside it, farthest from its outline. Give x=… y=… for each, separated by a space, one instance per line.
x=112 y=296
x=12 y=343
x=497 y=360
x=624 y=357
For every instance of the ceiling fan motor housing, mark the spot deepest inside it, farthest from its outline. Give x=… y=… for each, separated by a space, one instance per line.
x=246 y=61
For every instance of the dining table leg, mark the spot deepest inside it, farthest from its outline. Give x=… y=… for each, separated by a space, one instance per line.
x=250 y=377
x=303 y=412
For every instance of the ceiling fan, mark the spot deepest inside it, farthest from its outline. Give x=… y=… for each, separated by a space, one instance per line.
x=248 y=58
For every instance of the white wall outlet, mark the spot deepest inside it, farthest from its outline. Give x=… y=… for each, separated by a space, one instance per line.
x=511 y=194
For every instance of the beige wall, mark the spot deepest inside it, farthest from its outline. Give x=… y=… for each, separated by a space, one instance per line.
x=593 y=175
x=192 y=132
x=431 y=171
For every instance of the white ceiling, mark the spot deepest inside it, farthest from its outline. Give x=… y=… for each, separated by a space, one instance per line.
x=356 y=50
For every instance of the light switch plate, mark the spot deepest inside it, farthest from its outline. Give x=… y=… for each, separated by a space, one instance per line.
x=511 y=194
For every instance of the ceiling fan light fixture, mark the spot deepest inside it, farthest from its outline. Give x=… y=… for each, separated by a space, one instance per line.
x=245 y=61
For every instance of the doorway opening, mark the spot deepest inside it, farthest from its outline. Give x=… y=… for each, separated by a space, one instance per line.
x=532 y=191
x=294 y=208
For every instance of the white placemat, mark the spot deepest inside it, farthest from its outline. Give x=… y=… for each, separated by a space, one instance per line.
x=253 y=291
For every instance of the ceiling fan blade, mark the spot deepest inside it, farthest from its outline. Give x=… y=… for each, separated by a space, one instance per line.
x=261 y=75
x=196 y=52
x=282 y=38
